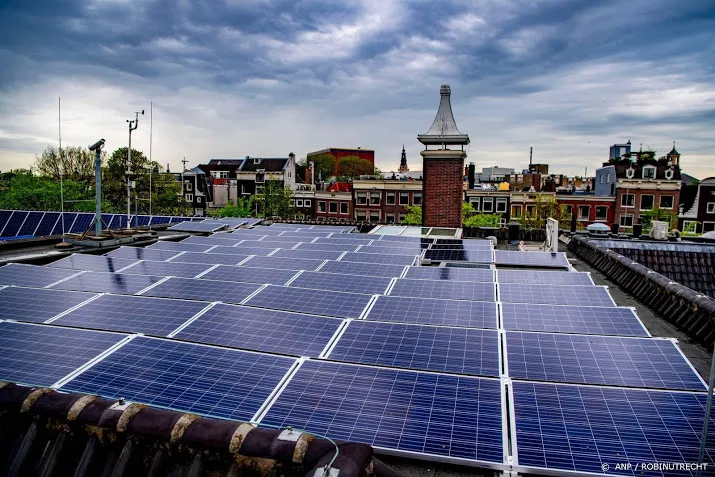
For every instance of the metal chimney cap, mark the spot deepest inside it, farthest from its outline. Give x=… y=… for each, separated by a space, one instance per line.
x=445 y=90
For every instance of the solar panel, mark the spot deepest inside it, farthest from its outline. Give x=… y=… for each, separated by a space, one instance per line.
x=250 y=275
x=210 y=258
x=359 y=239
x=304 y=236
x=361 y=268
x=401 y=238
x=431 y=348
x=207 y=290
x=217 y=239
x=447 y=289
x=117 y=283
x=47 y=224
x=430 y=311
x=31 y=222
x=139 y=253
x=95 y=263
x=479 y=246
x=195 y=378
x=447 y=273
x=327 y=247
x=283 y=263
x=262 y=330
x=563 y=295
x=582 y=428
x=267 y=244
x=544 y=277
x=378 y=258
x=24 y=275
x=40 y=355
x=398 y=249
x=179 y=246
x=314 y=302
x=82 y=223
x=277 y=238
x=479 y=256
x=340 y=282
x=37 y=304
x=4 y=217
x=531 y=259
x=197 y=227
x=167 y=269
x=159 y=219
x=309 y=254
x=417 y=413
x=572 y=319
x=611 y=360
x=138 y=314
x=14 y=223
x=241 y=250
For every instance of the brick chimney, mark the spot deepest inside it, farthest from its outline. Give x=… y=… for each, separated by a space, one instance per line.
x=443 y=168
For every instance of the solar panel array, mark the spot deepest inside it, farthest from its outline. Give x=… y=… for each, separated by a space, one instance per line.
x=346 y=335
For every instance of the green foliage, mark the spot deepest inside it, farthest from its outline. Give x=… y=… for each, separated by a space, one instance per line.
x=28 y=192
x=73 y=163
x=244 y=207
x=274 y=200
x=414 y=215
x=690 y=229
x=324 y=166
x=544 y=207
x=351 y=167
x=482 y=220
x=657 y=214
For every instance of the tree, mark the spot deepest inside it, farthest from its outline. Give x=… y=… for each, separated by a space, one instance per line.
x=28 y=192
x=324 y=166
x=414 y=215
x=275 y=199
x=352 y=166
x=73 y=163
x=244 y=207
x=657 y=214
x=544 y=207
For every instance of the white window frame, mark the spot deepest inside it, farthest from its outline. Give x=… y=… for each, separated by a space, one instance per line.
x=623 y=200
x=476 y=202
x=198 y=199
x=517 y=208
x=347 y=208
x=647 y=195
x=579 y=217
x=490 y=201
x=373 y=212
x=361 y=198
x=262 y=176
x=360 y=212
x=390 y=198
x=389 y=218
x=330 y=207
x=377 y=196
x=605 y=216
x=259 y=189
x=686 y=224
x=601 y=178
x=608 y=178
x=501 y=201
x=401 y=217
x=624 y=216
x=710 y=208
x=291 y=203
x=417 y=198
x=187 y=186
x=256 y=160
x=649 y=168
x=189 y=197
x=672 y=200
x=322 y=207
x=407 y=195
x=299 y=202
x=306 y=203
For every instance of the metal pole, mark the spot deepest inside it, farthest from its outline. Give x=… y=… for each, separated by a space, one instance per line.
x=98 y=193
x=151 y=166
x=62 y=194
x=129 y=171
x=704 y=437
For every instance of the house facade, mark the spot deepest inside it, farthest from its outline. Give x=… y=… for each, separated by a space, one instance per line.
x=385 y=201
x=700 y=218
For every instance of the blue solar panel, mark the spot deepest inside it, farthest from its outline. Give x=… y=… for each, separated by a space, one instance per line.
x=40 y=355
x=415 y=412
x=14 y=223
x=447 y=289
x=352 y=239
x=283 y=263
x=467 y=245
x=314 y=302
x=139 y=253
x=544 y=277
x=366 y=269
x=304 y=236
x=64 y=223
x=267 y=244
x=402 y=239
x=378 y=258
x=117 y=283
x=611 y=360
x=160 y=219
x=407 y=249
x=340 y=282
x=250 y=275
x=31 y=222
x=449 y=273
x=201 y=379
x=167 y=269
x=431 y=348
x=82 y=223
x=32 y=275
x=430 y=311
x=119 y=222
x=37 y=304
x=210 y=258
x=327 y=247
x=288 y=241
x=531 y=259
x=207 y=290
x=241 y=250
x=310 y=254
x=179 y=246
x=479 y=256
x=95 y=263
x=4 y=217
x=138 y=314
x=142 y=220
x=572 y=319
x=582 y=428
x=197 y=227
x=262 y=330
x=217 y=239
x=47 y=224
x=547 y=295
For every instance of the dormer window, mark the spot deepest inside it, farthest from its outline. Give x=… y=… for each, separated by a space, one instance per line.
x=669 y=173
x=648 y=172
x=256 y=160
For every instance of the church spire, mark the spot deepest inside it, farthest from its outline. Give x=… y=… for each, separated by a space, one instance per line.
x=403 y=161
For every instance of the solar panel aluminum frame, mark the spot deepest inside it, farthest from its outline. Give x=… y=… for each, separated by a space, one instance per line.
x=504 y=466
x=80 y=272
x=67 y=312
x=333 y=342
x=178 y=329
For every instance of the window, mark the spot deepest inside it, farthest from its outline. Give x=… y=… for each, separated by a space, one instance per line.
x=260 y=178
x=306 y=203
x=198 y=199
x=292 y=203
x=475 y=202
x=333 y=207
x=648 y=172
x=361 y=198
x=628 y=200
x=321 y=206
x=602 y=176
x=344 y=208
x=530 y=210
x=375 y=198
x=569 y=209
x=647 y=201
x=584 y=212
x=199 y=212
x=691 y=226
x=390 y=198
x=256 y=160
x=187 y=186
x=259 y=189
x=626 y=220
x=708 y=226
x=189 y=197
x=390 y=219
x=488 y=205
x=501 y=205
x=360 y=214
x=515 y=211
x=402 y=217
x=417 y=198
x=219 y=174
x=666 y=201
x=711 y=208
x=299 y=203
x=404 y=198
x=601 y=212
x=374 y=216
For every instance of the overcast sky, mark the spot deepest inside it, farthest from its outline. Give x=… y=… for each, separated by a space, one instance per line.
x=265 y=78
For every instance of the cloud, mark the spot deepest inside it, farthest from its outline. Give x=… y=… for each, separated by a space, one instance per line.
x=264 y=77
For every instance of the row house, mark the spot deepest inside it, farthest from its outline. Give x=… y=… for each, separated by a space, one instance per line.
x=195 y=190
x=490 y=202
x=588 y=208
x=385 y=201
x=700 y=218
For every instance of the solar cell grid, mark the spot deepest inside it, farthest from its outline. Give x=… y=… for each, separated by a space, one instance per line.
x=458 y=246
x=381 y=258
x=139 y=253
x=572 y=319
x=47 y=224
x=117 y=283
x=339 y=282
x=447 y=273
x=347 y=238
x=242 y=250
x=304 y=235
x=195 y=378
x=414 y=412
x=580 y=428
x=200 y=289
x=479 y=256
x=4 y=217
x=24 y=275
x=400 y=250
x=224 y=239
x=40 y=355
x=429 y=311
x=268 y=244
x=64 y=222
x=166 y=269
x=82 y=222
x=14 y=223
x=402 y=238
x=179 y=246
x=310 y=254
x=137 y=314
x=37 y=304
x=316 y=302
x=362 y=268
x=610 y=360
x=283 y=263
x=544 y=277
x=262 y=330
x=431 y=348
x=250 y=275
x=333 y=247
x=210 y=258
x=96 y=263
x=531 y=259
x=197 y=227
x=287 y=240
x=31 y=222
x=563 y=295
x=447 y=289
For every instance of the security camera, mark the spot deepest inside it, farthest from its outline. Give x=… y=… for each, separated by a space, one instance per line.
x=97 y=146
x=142 y=112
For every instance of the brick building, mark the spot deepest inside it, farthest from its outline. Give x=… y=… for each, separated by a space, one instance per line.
x=385 y=201
x=588 y=208
x=341 y=152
